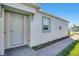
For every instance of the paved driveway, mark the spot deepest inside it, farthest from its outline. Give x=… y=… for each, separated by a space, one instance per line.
x=51 y=50
x=75 y=37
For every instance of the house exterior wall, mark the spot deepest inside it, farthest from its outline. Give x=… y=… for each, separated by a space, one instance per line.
x=38 y=37
x=34 y=32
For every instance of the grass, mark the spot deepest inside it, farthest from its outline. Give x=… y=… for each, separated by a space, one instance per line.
x=75 y=50
x=71 y=50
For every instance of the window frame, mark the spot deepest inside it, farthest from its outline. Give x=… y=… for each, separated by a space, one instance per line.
x=49 y=26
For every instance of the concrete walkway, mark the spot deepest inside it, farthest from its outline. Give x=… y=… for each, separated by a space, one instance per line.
x=20 y=51
x=54 y=49
x=51 y=50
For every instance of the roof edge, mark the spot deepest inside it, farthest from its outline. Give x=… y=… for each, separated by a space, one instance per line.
x=41 y=11
x=32 y=5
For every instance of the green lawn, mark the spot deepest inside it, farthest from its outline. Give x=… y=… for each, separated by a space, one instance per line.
x=71 y=50
x=75 y=50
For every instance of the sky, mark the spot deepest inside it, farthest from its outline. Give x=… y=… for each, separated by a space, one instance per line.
x=67 y=11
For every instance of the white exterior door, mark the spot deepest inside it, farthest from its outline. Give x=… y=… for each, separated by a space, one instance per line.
x=16 y=29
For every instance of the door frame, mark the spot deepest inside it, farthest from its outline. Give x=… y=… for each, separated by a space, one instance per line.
x=25 y=30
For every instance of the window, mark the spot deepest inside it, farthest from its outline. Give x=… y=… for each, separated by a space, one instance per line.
x=46 y=24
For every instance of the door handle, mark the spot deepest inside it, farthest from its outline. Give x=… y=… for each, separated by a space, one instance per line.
x=11 y=31
x=4 y=32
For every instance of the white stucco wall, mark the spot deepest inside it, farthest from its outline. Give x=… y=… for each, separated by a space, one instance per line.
x=38 y=37
x=1 y=31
